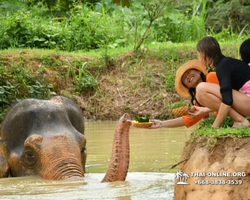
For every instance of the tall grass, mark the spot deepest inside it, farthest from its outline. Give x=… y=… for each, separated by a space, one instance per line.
x=203 y=17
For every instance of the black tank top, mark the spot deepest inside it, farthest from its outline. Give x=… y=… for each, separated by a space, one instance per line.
x=232 y=74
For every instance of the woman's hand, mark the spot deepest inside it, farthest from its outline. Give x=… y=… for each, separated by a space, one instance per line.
x=197 y=111
x=156 y=124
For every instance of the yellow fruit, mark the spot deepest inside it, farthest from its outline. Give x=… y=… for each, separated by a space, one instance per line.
x=181 y=111
x=141 y=124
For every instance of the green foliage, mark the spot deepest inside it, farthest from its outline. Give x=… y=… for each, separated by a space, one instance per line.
x=86 y=26
x=170 y=81
x=141 y=119
x=54 y=5
x=91 y=22
x=61 y=4
x=228 y=122
x=11 y=6
x=154 y=10
x=83 y=79
x=18 y=82
x=123 y=2
x=217 y=132
x=169 y=76
x=212 y=134
x=232 y=15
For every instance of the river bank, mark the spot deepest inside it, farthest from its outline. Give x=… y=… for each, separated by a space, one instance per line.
x=103 y=85
x=220 y=173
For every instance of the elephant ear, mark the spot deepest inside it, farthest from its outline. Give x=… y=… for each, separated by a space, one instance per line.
x=4 y=167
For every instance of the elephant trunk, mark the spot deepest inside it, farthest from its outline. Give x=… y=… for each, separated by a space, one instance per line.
x=119 y=162
x=59 y=162
x=68 y=168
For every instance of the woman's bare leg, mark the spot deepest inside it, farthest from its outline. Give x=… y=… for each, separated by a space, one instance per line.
x=208 y=94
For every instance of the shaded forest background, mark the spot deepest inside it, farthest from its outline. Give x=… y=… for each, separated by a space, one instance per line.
x=81 y=25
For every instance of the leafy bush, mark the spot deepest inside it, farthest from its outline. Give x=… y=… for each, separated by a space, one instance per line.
x=30 y=24
x=18 y=82
x=225 y=14
x=84 y=81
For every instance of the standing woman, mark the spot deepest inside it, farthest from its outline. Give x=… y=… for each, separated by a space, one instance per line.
x=234 y=79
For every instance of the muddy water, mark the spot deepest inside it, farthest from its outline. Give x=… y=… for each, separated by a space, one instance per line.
x=153 y=152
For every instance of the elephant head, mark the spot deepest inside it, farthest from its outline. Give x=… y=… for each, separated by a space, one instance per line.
x=44 y=138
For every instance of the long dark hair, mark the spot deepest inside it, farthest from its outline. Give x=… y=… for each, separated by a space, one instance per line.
x=245 y=51
x=192 y=91
x=211 y=49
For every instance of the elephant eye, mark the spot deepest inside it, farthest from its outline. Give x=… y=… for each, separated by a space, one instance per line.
x=29 y=157
x=83 y=149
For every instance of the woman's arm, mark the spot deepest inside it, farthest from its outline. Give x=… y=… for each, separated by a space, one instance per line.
x=181 y=121
x=171 y=123
x=222 y=113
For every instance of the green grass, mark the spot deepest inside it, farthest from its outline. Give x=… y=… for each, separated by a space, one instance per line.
x=206 y=131
x=152 y=48
x=222 y=131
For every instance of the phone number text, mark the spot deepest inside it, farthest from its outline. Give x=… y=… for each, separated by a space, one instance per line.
x=219 y=182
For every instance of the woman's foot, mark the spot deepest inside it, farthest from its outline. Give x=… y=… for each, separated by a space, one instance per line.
x=245 y=122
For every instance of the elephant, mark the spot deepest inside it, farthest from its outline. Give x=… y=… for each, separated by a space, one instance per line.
x=46 y=138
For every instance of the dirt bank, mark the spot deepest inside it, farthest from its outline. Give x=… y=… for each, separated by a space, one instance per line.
x=104 y=90
x=212 y=172
x=105 y=87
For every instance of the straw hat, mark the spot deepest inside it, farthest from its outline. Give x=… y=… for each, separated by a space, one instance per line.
x=192 y=64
